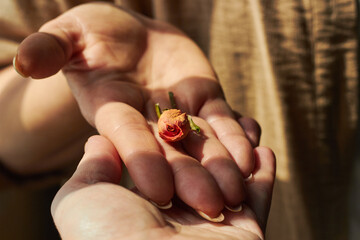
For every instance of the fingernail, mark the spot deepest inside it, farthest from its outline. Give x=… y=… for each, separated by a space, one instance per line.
x=249 y=177
x=219 y=218
x=163 y=207
x=234 y=209
x=16 y=67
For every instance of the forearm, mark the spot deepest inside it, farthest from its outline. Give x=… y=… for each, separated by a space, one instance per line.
x=41 y=127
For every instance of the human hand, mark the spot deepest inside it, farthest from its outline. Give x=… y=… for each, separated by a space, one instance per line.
x=118 y=65
x=92 y=206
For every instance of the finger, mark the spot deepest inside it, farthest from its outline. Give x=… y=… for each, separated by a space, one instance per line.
x=220 y=117
x=260 y=186
x=206 y=148
x=42 y=54
x=100 y=163
x=194 y=185
x=251 y=128
x=127 y=129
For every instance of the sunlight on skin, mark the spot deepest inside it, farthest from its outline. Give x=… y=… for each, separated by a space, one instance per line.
x=92 y=206
x=142 y=60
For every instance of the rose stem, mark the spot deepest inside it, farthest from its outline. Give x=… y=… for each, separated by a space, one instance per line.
x=172 y=100
x=193 y=126
x=158 y=110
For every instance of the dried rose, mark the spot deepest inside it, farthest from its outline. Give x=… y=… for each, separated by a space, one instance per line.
x=173 y=125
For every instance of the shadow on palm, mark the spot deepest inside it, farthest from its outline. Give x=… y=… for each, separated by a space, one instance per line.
x=117 y=72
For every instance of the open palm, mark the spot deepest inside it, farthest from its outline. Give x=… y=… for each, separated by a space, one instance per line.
x=92 y=206
x=118 y=65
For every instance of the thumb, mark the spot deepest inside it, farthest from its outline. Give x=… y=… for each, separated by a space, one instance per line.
x=100 y=163
x=43 y=54
x=82 y=39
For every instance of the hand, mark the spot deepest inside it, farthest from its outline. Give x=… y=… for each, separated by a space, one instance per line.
x=91 y=206
x=118 y=65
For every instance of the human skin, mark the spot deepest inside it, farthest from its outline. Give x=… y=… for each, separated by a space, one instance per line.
x=117 y=72
x=41 y=127
x=92 y=206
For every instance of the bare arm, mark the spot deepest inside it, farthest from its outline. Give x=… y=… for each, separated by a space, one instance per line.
x=41 y=127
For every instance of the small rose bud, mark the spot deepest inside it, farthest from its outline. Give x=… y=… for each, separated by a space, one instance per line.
x=173 y=125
